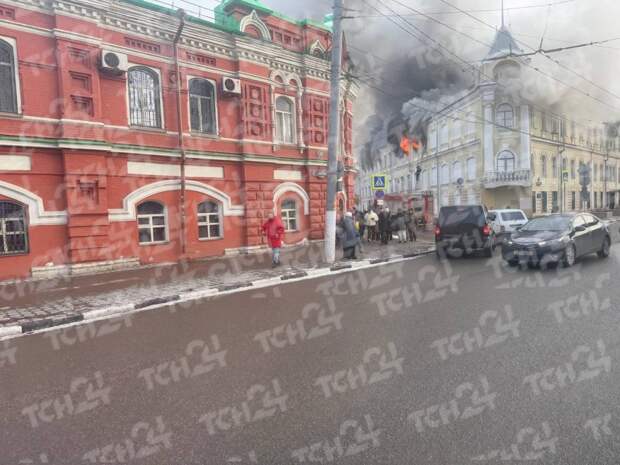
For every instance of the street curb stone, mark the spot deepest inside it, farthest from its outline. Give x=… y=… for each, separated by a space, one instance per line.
x=157 y=301
x=46 y=323
x=231 y=287
x=300 y=274
x=50 y=322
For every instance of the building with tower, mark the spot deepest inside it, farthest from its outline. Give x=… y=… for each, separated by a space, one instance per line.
x=496 y=144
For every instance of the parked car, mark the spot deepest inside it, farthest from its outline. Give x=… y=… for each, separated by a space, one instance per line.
x=557 y=238
x=507 y=221
x=465 y=228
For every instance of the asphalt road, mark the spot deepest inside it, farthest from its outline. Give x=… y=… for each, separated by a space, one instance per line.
x=418 y=362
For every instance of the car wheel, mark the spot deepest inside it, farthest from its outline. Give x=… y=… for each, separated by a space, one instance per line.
x=604 y=252
x=513 y=263
x=488 y=252
x=570 y=255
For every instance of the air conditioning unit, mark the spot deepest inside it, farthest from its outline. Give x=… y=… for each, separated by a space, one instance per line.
x=114 y=62
x=231 y=86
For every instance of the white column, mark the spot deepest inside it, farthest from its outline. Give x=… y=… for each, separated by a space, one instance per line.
x=489 y=149
x=525 y=138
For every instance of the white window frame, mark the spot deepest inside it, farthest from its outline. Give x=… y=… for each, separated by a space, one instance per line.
x=285 y=213
x=502 y=124
x=293 y=120
x=512 y=158
x=432 y=139
x=444 y=176
x=457 y=128
x=215 y=103
x=18 y=94
x=457 y=170
x=161 y=99
x=471 y=173
x=204 y=220
x=444 y=135
x=151 y=226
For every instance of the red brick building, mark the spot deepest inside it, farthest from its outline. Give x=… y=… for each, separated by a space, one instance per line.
x=94 y=170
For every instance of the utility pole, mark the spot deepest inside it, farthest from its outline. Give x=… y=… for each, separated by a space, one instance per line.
x=334 y=135
x=438 y=168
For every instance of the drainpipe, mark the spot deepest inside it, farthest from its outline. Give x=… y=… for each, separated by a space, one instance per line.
x=181 y=144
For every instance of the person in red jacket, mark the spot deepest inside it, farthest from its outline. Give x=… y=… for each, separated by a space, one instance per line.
x=274 y=230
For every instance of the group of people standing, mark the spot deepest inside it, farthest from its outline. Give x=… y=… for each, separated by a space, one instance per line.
x=353 y=228
x=375 y=227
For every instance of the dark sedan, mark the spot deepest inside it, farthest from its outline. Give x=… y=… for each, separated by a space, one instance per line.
x=557 y=238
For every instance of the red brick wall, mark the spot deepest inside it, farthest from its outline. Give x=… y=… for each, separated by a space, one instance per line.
x=80 y=114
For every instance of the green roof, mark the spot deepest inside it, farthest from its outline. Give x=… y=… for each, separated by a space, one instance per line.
x=189 y=18
x=227 y=23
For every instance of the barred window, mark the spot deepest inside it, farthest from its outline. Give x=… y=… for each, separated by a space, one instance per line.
x=202 y=106
x=144 y=98
x=152 y=223
x=13 y=229
x=289 y=215
x=8 y=87
x=285 y=122
x=209 y=220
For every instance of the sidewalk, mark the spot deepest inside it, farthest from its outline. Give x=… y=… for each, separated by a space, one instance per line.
x=39 y=304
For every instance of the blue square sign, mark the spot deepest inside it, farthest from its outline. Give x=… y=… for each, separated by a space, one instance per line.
x=379 y=182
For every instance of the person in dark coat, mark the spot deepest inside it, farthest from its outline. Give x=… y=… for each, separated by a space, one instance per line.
x=410 y=222
x=350 y=237
x=399 y=225
x=385 y=227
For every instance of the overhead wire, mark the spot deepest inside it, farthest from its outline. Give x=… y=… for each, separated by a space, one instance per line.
x=460 y=59
x=587 y=94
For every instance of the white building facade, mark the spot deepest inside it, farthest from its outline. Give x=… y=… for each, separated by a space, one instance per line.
x=494 y=147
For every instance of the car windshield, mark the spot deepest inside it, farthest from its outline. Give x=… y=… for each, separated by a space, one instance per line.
x=449 y=216
x=548 y=223
x=513 y=216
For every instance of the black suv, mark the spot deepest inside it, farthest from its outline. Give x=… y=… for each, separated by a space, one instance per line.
x=466 y=228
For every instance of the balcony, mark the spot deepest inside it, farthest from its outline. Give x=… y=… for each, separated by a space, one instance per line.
x=494 y=179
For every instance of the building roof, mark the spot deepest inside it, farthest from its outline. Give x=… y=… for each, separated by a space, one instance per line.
x=504 y=44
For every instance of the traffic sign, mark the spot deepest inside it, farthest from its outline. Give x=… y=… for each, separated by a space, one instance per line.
x=379 y=194
x=379 y=182
x=565 y=175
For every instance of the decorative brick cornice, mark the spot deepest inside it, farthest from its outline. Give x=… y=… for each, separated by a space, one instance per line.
x=162 y=28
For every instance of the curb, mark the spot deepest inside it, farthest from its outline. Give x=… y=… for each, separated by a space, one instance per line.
x=31 y=327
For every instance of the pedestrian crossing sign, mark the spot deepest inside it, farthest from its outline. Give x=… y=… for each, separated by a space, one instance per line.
x=379 y=182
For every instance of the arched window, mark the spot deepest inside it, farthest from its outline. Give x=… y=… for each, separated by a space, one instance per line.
x=285 y=121
x=505 y=161
x=144 y=98
x=289 y=214
x=202 y=106
x=13 y=229
x=554 y=166
x=543 y=162
x=504 y=116
x=209 y=220
x=8 y=86
x=152 y=223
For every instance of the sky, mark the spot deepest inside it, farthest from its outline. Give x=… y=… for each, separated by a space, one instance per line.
x=396 y=66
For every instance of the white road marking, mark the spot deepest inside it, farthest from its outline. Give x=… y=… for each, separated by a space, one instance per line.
x=113 y=312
